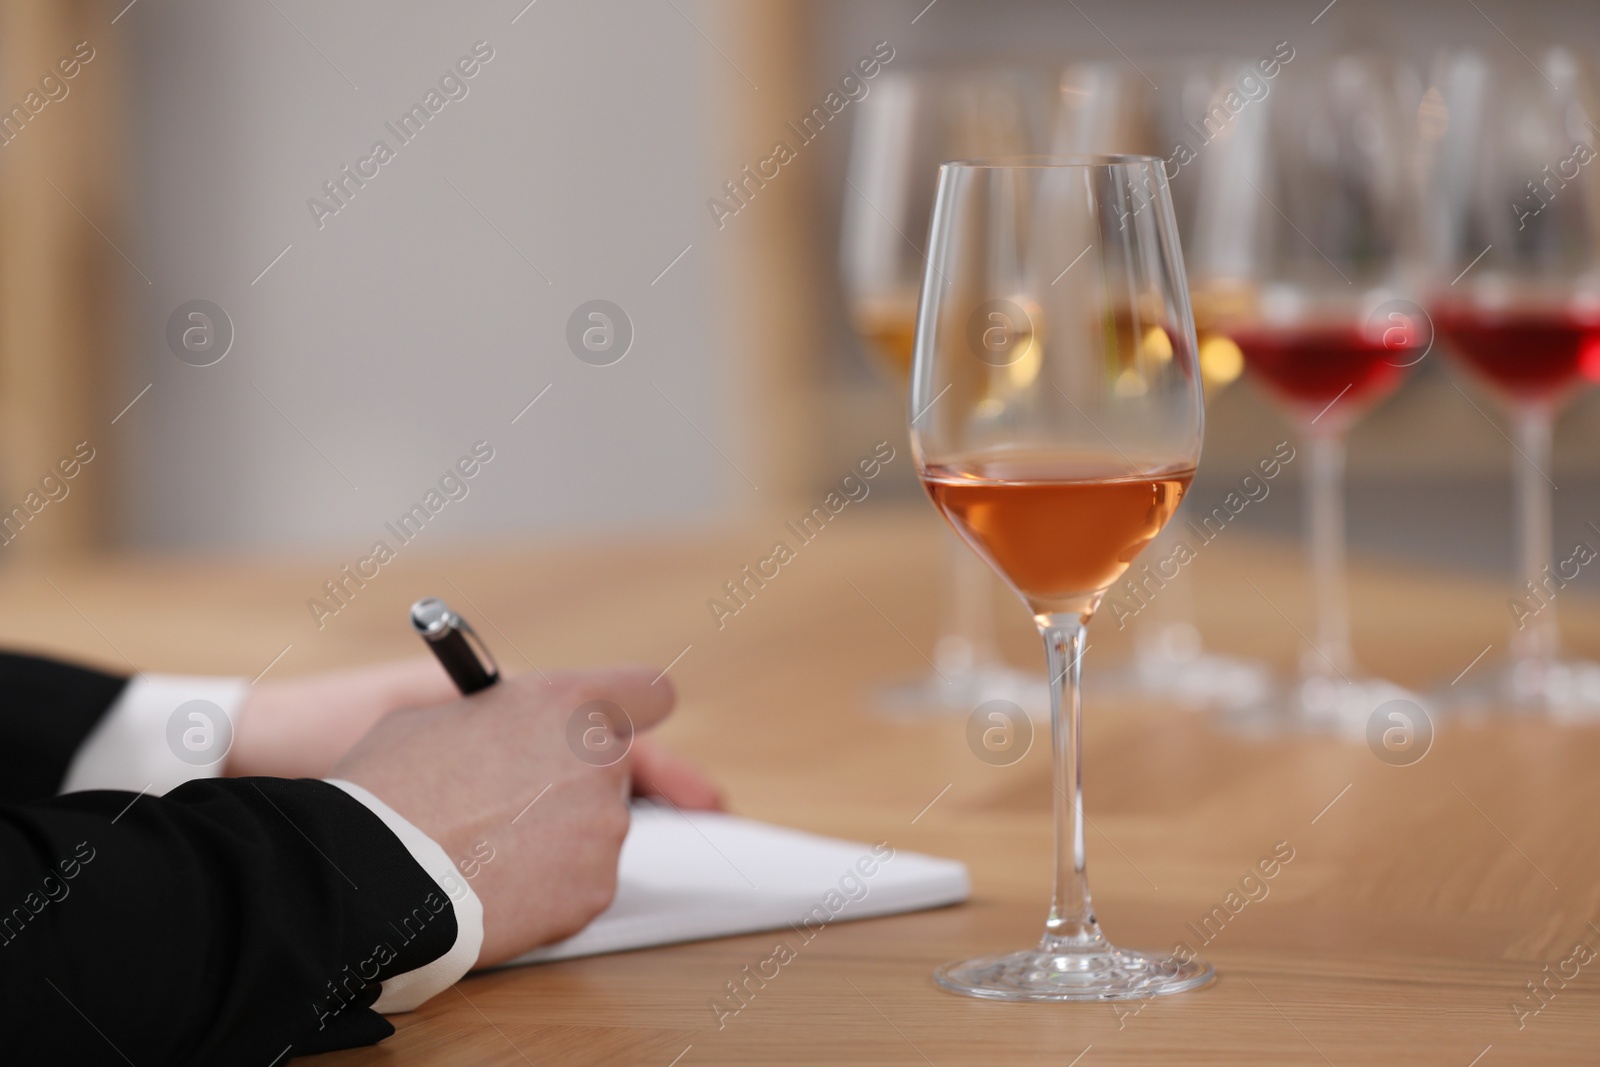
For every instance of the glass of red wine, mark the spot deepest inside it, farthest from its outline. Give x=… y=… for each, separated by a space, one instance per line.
x=1056 y=420
x=1307 y=229
x=1515 y=237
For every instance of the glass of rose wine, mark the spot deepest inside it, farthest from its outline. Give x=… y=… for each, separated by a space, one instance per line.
x=912 y=120
x=1307 y=227
x=1515 y=233
x=1056 y=418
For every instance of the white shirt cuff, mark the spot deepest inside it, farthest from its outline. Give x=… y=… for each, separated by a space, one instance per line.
x=164 y=730
x=405 y=992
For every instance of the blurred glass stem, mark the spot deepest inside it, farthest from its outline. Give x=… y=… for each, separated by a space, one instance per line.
x=1325 y=534
x=1533 y=641
x=966 y=637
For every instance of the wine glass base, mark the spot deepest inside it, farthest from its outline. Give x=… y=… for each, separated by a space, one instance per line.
x=1199 y=682
x=1565 y=690
x=959 y=692
x=1340 y=706
x=1038 y=974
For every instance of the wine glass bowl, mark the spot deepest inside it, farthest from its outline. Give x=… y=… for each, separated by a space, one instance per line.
x=914 y=120
x=1526 y=348
x=1056 y=419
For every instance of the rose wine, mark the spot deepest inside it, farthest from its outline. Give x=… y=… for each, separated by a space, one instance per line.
x=1530 y=353
x=1059 y=528
x=1313 y=365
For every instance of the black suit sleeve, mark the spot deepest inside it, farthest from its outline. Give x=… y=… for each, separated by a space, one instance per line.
x=47 y=709
x=241 y=921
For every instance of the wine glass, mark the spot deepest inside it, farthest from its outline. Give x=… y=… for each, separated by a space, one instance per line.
x=912 y=120
x=1056 y=418
x=1112 y=107
x=1306 y=222
x=1515 y=234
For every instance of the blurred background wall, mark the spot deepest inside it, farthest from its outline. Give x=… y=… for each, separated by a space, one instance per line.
x=431 y=309
x=372 y=347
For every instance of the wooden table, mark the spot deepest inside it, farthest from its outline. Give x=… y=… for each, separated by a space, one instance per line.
x=1419 y=902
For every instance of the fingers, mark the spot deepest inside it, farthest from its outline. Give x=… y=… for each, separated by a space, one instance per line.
x=646 y=694
x=657 y=772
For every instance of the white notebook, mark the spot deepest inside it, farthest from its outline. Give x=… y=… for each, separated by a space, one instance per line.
x=688 y=876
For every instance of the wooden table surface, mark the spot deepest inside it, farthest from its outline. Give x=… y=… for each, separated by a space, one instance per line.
x=1419 y=903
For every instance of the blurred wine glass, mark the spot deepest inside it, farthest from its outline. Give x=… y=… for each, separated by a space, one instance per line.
x=913 y=120
x=1306 y=237
x=1514 y=217
x=1115 y=107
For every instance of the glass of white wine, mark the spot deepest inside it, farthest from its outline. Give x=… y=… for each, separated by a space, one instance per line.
x=915 y=119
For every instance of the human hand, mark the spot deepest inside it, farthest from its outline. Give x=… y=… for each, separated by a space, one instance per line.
x=496 y=771
x=301 y=727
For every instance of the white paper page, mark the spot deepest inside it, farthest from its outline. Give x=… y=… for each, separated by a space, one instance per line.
x=688 y=876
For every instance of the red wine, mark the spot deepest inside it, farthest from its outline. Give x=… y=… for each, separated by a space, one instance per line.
x=1312 y=365
x=1530 y=353
x=1055 y=526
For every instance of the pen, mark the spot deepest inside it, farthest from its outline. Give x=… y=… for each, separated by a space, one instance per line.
x=464 y=656
x=460 y=650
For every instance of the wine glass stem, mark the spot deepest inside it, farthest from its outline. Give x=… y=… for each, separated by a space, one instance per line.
x=1325 y=540
x=1170 y=626
x=1533 y=637
x=966 y=639
x=1071 y=926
